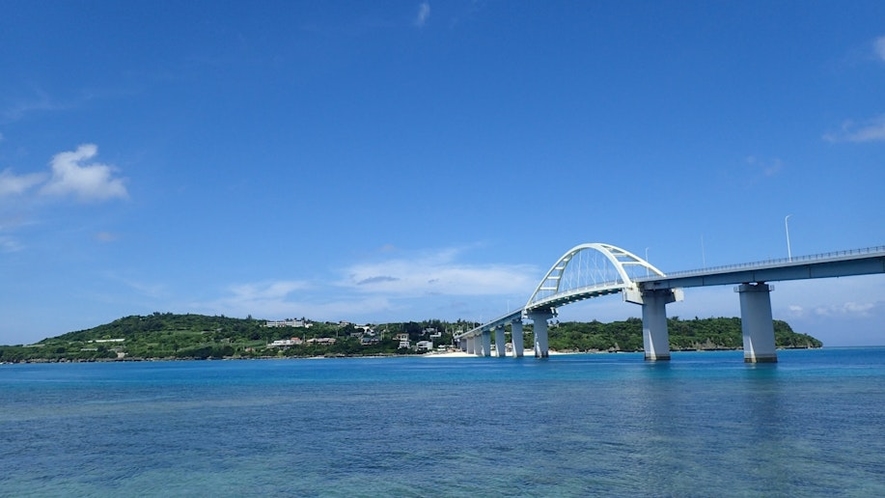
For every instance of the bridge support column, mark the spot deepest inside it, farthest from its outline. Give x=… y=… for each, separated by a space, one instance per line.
x=516 y=338
x=655 y=337
x=471 y=344
x=539 y=318
x=486 y=343
x=756 y=323
x=500 y=342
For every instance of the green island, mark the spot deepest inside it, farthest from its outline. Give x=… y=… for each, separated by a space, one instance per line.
x=168 y=336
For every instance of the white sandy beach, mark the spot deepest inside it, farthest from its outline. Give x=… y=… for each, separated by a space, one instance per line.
x=462 y=354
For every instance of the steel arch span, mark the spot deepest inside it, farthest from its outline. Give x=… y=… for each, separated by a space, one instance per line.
x=589 y=270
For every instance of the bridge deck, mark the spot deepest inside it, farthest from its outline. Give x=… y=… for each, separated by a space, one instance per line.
x=841 y=264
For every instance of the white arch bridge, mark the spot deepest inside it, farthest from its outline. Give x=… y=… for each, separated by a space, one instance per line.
x=592 y=270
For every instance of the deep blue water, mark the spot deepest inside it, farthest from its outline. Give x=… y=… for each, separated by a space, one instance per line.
x=703 y=424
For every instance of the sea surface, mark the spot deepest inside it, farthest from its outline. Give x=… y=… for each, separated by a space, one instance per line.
x=702 y=424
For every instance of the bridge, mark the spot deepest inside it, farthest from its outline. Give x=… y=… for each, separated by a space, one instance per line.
x=593 y=270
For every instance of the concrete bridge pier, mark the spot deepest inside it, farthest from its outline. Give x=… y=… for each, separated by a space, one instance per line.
x=756 y=323
x=486 y=343
x=539 y=318
x=471 y=344
x=655 y=336
x=500 y=342
x=516 y=338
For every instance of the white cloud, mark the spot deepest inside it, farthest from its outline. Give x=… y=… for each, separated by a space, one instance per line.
x=71 y=175
x=879 y=47
x=423 y=14
x=11 y=184
x=838 y=311
x=278 y=299
x=871 y=130
x=439 y=274
x=845 y=309
x=430 y=283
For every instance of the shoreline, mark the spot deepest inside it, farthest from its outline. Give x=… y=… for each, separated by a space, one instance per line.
x=448 y=354
x=461 y=354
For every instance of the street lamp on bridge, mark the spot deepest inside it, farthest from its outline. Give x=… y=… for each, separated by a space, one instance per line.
x=787 y=229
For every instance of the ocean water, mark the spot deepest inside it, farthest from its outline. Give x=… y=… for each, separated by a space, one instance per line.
x=703 y=424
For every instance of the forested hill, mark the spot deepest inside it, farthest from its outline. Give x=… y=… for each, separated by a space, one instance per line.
x=696 y=334
x=189 y=336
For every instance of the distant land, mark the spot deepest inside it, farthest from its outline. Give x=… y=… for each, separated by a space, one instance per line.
x=168 y=336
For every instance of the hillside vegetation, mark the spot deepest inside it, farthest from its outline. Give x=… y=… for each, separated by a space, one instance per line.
x=189 y=336
x=696 y=334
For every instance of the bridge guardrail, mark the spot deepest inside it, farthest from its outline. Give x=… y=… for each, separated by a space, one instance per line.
x=772 y=262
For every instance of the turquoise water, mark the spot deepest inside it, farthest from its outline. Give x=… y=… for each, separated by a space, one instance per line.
x=703 y=424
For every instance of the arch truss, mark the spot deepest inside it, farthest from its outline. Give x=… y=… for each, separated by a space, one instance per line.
x=589 y=270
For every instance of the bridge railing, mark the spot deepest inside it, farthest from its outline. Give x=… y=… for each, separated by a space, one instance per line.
x=836 y=255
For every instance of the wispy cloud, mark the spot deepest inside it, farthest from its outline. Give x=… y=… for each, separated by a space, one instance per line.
x=756 y=170
x=356 y=309
x=290 y=298
x=871 y=130
x=423 y=14
x=88 y=182
x=264 y=291
x=9 y=244
x=106 y=237
x=144 y=290
x=767 y=167
x=847 y=298
x=267 y=299
x=12 y=184
x=437 y=273
x=428 y=282
x=845 y=309
x=879 y=47
x=22 y=108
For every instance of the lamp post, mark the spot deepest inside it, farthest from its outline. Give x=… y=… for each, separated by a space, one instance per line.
x=787 y=229
x=646 y=261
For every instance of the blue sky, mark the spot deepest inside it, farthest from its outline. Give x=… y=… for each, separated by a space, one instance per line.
x=406 y=160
